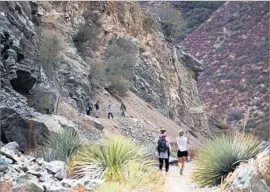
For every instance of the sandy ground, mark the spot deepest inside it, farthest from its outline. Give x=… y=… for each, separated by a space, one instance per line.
x=182 y=183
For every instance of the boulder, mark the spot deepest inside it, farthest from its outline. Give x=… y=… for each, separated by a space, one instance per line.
x=253 y=176
x=5 y=161
x=58 y=168
x=26 y=131
x=10 y=150
x=30 y=186
x=43 y=98
x=97 y=124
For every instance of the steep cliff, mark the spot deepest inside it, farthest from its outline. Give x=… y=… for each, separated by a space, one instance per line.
x=234 y=46
x=43 y=64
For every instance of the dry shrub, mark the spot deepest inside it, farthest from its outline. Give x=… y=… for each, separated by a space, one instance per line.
x=49 y=48
x=263 y=167
x=224 y=126
x=193 y=153
x=80 y=188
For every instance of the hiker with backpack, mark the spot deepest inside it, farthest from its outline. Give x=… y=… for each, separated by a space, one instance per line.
x=123 y=109
x=89 y=108
x=97 y=109
x=110 y=111
x=163 y=150
x=182 y=153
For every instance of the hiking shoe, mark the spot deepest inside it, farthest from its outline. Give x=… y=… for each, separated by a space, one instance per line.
x=181 y=171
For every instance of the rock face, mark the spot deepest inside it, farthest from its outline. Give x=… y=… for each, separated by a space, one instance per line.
x=163 y=74
x=18 y=45
x=234 y=46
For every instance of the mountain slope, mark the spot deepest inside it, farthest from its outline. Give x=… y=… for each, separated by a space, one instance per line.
x=234 y=46
x=50 y=54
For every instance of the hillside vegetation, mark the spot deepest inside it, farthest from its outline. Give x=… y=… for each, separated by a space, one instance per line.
x=234 y=47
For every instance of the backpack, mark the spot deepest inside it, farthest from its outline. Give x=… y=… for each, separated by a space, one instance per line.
x=162 y=146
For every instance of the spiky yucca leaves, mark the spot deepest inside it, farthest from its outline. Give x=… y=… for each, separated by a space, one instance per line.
x=137 y=177
x=108 y=159
x=149 y=148
x=222 y=155
x=60 y=145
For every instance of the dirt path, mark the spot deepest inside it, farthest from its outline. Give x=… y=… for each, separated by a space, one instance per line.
x=182 y=183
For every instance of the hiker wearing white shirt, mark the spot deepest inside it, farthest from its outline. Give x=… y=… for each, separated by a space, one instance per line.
x=110 y=111
x=182 y=153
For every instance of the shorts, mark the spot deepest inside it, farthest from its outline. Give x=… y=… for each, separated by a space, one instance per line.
x=182 y=153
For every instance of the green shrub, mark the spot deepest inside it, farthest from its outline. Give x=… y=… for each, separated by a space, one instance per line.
x=97 y=74
x=86 y=39
x=171 y=20
x=235 y=115
x=119 y=64
x=117 y=84
x=109 y=159
x=60 y=145
x=222 y=155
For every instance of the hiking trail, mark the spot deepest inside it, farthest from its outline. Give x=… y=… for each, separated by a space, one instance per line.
x=182 y=183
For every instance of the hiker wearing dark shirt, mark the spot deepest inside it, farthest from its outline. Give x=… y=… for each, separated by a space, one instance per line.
x=88 y=108
x=123 y=109
x=97 y=109
x=163 y=150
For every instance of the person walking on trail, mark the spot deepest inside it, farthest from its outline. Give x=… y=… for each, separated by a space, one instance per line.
x=97 y=109
x=110 y=111
x=163 y=150
x=182 y=142
x=89 y=108
x=123 y=109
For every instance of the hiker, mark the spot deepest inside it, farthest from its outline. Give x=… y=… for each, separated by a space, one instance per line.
x=97 y=109
x=110 y=111
x=182 y=154
x=89 y=108
x=163 y=150
x=123 y=109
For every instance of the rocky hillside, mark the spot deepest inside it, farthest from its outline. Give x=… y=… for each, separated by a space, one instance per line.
x=234 y=46
x=50 y=54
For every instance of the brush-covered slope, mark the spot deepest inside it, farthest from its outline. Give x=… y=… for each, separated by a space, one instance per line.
x=234 y=46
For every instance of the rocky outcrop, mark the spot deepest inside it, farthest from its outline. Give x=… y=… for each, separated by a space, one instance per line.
x=18 y=121
x=16 y=127
x=18 y=45
x=252 y=176
x=19 y=172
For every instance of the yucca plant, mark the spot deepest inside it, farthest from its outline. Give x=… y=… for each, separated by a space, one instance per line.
x=222 y=155
x=137 y=177
x=60 y=145
x=108 y=159
x=149 y=148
